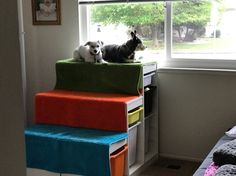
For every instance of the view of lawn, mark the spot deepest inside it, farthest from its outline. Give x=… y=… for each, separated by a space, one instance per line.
x=199 y=45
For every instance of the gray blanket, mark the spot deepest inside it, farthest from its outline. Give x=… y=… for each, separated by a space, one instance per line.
x=226 y=170
x=225 y=153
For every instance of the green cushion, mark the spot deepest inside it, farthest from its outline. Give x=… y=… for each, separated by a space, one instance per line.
x=125 y=78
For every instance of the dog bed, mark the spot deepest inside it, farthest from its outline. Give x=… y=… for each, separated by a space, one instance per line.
x=211 y=170
x=225 y=154
x=209 y=158
x=226 y=170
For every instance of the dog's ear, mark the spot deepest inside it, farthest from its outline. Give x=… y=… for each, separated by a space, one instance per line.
x=88 y=43
x=101 y=42
x=133 y=34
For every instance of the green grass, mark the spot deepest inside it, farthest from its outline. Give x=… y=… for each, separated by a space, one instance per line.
x=150 y=45
x=199 y=45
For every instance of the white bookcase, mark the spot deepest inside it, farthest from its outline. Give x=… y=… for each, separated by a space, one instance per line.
x=147 y=134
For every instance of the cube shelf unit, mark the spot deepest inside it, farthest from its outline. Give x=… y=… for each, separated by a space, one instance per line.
x=146 y=136
x=147 y=133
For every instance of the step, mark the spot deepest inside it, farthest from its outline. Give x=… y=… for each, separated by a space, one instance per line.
x=85 y=109
x=79 y=151
x=125 y=78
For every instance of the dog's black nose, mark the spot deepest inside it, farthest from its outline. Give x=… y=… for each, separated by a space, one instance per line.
x=95 y=51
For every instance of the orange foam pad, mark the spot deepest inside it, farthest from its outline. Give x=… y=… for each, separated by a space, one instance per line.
x=82 y=109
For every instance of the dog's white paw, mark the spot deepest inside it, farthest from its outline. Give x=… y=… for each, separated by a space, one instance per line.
x=76 y=55
x=103 y=61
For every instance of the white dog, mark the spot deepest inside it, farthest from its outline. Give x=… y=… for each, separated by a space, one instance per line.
x=90 y=52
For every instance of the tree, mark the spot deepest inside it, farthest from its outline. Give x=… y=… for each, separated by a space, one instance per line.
x=191 y=18
x=131 y=15
x=192 y=15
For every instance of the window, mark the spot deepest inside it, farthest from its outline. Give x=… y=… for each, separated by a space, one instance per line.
x=112 y=23
x=204 y=29
x=192 y=33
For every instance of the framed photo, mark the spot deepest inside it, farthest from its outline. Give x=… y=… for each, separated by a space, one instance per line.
x=46 y=12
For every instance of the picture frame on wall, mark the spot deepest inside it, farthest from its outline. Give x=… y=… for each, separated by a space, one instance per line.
x=46 y=12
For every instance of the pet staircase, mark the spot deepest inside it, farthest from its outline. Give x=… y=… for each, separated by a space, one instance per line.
x=94 y=113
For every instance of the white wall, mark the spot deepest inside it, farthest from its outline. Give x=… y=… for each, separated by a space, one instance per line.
x=45 y=45
x=195 y=107
x=12 y=149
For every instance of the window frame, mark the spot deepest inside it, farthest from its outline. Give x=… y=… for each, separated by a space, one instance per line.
x=199 y=63
x=168 y=61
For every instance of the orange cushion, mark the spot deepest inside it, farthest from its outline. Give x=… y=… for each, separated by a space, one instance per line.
x=82 y=109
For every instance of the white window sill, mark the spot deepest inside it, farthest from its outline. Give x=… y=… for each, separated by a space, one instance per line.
x=200 y=64
x=203 y=70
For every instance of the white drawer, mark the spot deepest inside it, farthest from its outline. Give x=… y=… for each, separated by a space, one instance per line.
x=149 y=68
x=147 y=79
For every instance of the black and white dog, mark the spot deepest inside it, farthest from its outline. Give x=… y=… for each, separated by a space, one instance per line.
x=90 y=52
x=123 y=53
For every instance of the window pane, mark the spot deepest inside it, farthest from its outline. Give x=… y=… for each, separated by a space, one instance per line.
x=204 y=29
x=113 y=24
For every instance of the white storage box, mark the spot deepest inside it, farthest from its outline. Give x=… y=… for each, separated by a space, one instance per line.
x=147 y=79
x=132 y=143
